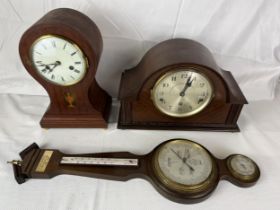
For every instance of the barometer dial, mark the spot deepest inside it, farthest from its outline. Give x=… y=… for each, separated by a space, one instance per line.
x=184 y=165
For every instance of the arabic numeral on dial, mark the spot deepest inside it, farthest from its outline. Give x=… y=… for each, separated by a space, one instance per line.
x=169 y=107
x=201 y=84
x=200 y=99
x=184 y=76
x=165 y=85
x=173 y=78
x=162 y=100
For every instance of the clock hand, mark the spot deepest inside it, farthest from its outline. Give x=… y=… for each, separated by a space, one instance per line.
x=183 y=160
x=50 y=64
x=48 y=68
x=187 y=85
x=57 y=63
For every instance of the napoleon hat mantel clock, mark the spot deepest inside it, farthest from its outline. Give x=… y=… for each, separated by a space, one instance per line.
x=178 y=85
x=61 y=51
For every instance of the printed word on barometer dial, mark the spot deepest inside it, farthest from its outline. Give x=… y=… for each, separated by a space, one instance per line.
x=58 y=60
x=182 y=93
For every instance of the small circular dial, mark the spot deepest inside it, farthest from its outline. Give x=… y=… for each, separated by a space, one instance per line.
x=183 y=165
x=182 y=93
x=242 y=167
x=58 y=60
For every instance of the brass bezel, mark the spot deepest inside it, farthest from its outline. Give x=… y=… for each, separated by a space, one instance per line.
x=239 y=176
x=181 y=187
x=189 y=69
x=67 y=40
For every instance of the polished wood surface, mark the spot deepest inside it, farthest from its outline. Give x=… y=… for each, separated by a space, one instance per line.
x=138 y=111
x=92 y=104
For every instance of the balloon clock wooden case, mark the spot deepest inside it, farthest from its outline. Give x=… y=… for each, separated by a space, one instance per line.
x=178 y=85
x=181 y=170
x=61 y=51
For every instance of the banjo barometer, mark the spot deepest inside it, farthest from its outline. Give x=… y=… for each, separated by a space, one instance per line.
x=180 y=169
x=178 y=85
x=62 y=51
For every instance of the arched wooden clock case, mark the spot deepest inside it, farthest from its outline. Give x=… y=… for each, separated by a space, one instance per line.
x=138 y=110
x=83 y=104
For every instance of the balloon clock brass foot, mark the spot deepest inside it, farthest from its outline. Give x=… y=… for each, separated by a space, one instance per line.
x=181 y=170
x=178 y=85
x=62 y=51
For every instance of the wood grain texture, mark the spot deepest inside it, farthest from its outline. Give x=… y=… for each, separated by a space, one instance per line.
x=92 y=104
x=138 y=111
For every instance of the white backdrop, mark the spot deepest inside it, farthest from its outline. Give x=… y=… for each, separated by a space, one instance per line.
x=243 y=35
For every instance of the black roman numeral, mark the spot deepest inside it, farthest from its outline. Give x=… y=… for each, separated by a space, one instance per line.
x=73 y=53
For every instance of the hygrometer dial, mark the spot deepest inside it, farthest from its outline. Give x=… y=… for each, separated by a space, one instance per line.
x=182 y=93
x=58 y=60
x=184 y=166
x=243 y=168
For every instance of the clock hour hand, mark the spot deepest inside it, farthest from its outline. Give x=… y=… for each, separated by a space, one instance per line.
x=48 y=68
x=57 y=63
x=187 y=85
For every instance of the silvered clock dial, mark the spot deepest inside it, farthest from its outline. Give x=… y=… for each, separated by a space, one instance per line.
x=182 y=93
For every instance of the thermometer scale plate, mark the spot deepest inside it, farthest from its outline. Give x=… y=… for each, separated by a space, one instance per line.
x=99 y=161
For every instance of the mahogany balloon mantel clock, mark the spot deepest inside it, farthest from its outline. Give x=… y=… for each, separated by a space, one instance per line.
x=178 y=85
x=61 y=51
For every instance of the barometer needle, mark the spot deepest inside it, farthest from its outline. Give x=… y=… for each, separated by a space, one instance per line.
x=183 y=160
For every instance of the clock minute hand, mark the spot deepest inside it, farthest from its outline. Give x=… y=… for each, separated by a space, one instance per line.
x=187 y=84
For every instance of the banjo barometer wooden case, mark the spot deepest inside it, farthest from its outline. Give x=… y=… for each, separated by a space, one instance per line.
x=62 y=51
x=178 y=85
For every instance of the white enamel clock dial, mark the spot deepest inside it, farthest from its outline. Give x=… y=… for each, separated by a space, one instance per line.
x=184 y=163
x=182 y=93
x=58 y=60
